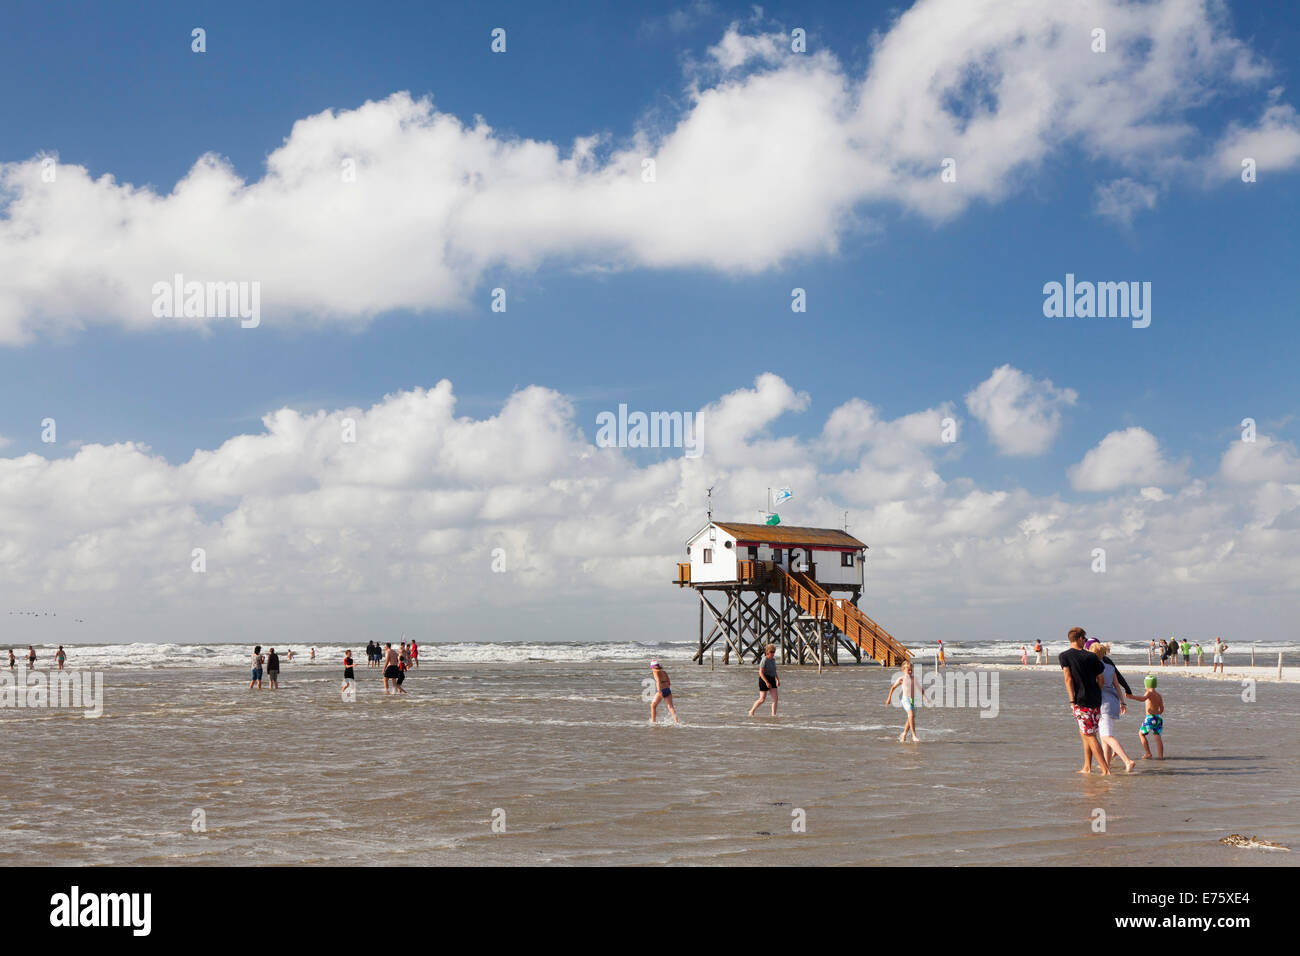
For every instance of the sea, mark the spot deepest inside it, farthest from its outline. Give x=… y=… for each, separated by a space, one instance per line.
x=543 y=754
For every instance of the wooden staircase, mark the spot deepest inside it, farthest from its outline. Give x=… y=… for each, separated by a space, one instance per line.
x=873 y=639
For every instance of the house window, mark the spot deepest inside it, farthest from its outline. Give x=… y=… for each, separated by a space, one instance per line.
x=753 y=552
x=846 y=559
x=708 y=555
x=777 y=555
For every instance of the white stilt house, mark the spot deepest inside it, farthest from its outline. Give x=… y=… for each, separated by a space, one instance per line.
x=779 y=583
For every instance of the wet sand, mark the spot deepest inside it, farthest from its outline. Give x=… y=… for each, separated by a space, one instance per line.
x=565 y=751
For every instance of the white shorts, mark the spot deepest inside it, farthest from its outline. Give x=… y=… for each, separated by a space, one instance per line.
x=1106 y=724
x=1218 y=658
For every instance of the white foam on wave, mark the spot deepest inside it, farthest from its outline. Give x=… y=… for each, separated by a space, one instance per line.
x=329 y=657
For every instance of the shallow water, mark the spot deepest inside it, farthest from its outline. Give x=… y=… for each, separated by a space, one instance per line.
x=565 y=751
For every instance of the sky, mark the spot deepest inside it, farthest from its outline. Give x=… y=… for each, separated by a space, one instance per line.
x=825 y=233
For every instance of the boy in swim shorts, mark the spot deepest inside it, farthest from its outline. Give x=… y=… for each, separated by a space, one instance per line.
x=1154 y=723
x=663 y=692
x=905 y=684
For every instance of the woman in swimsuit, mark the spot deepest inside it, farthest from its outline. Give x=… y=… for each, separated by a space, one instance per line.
x=768 y=682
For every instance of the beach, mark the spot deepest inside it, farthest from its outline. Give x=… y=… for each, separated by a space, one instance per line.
x=553 y=762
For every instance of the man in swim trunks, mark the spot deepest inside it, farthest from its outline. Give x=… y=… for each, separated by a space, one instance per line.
x=11 y=658
x=767 y=679
x=31 y=657
x=1083 y=672
x=1154 y=723
x=663 y=692
x=1187 y=651
x=905 y=683
x=257 y=668
x=1219 y=648
x=391 y=668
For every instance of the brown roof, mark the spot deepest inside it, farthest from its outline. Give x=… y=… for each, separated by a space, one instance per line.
x=789 y=534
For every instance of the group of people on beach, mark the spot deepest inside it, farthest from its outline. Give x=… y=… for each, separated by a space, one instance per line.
x=1093 y=684
x=60 y=658
x=1097 y=691
x=768 y=682
x=1171 y=648
x=393 y=663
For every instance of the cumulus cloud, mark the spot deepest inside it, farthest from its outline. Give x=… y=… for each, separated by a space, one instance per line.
x=1263 y=459
x=439 y=204
x=298 y=523
x=1022 y=414
x=1128 y=457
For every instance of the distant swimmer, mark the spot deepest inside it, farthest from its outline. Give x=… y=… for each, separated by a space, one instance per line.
x=273 y=668
x=905 y=684
x=288 y=655
x=31 y=657
x=415 y=655
x=1154 y=723
x=370 y=653
x=1024 y=655
x=663 y=692
x=61 y=657
x=767 y=679
x=11 y=658
x=257 y=668
x=943 y=658
x=348 y=675
x=391 y=670
x=313 y=655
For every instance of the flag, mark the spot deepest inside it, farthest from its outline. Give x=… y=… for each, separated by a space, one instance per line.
x=773 y=519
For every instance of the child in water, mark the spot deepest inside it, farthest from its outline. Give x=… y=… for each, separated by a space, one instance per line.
x=1154 y=723
x=905 y=684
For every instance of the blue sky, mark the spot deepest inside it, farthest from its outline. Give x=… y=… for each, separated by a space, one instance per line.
x=913 y=308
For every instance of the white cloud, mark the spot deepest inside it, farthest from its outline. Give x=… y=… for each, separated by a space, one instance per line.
x=1128 y=457
x=1122 y=199
x=439 y=206
x=1264 y=459
x=1273 y=143
x=1022 y=414
x=299 y=525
